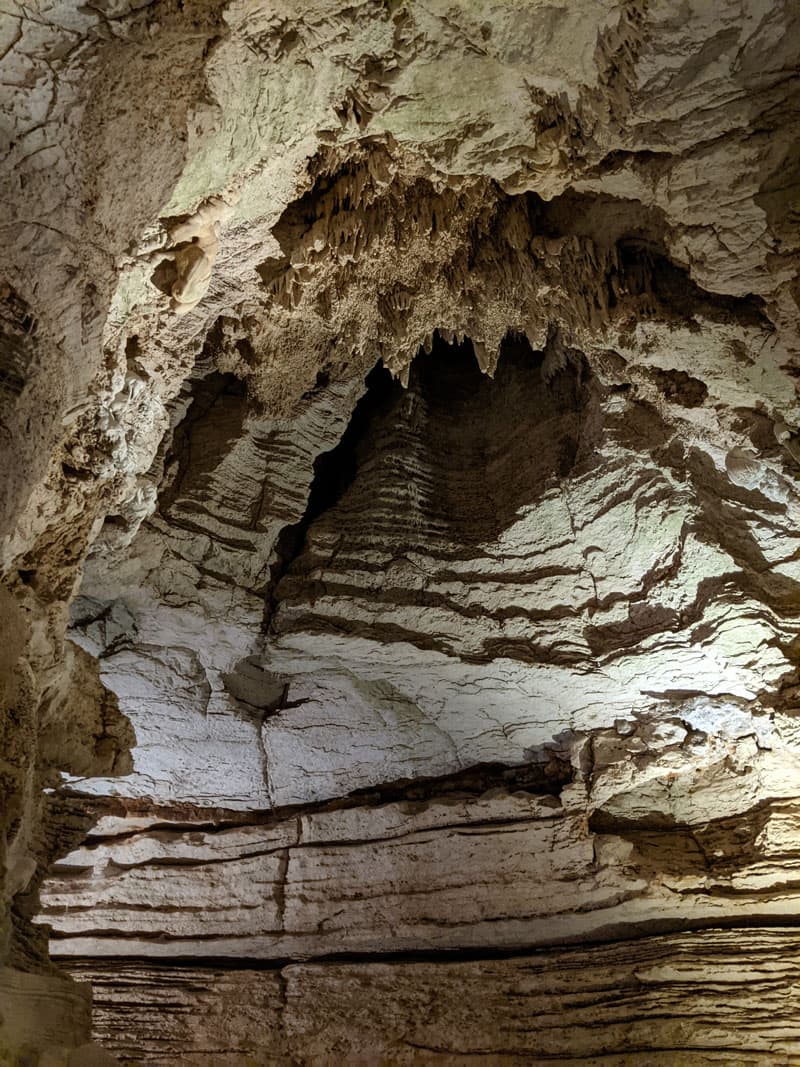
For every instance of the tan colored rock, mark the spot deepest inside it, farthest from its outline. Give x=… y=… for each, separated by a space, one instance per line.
x=360 y=650
x=41 y=1010
x=624 y=1004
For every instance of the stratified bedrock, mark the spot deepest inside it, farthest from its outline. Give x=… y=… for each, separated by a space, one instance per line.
x=399 y=533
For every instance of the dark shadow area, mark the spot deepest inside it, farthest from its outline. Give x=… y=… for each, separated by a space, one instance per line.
x=443 y=467
x=488 y=447
x=202 y=439
x=456 y=456
x=644 y=275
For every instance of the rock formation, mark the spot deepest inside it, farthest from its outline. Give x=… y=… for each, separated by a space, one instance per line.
x=400 y=533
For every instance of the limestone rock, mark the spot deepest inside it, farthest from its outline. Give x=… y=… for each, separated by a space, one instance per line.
x=39 y=1011
x=399 y=531
x=568 y=1006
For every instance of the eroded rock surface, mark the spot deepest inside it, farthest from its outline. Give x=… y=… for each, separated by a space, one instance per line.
x=399 y=532
x=565 y=1006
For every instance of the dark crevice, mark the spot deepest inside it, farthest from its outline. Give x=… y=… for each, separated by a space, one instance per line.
x=17 y=341
x=616 y=934
x=334 y=472
x=218 y=405
x=546 y=772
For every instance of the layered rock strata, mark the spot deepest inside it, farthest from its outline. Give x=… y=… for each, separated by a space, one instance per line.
x=561 y=1006
x=399 y=531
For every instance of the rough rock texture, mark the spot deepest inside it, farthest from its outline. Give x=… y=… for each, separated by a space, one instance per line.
x=399 y=531
x=567 y=1006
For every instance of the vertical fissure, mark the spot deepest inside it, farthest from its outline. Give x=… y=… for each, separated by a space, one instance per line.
x=334 y=471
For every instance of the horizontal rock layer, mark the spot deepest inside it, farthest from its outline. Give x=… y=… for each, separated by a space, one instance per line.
x=620 y=1004
x=504 y=869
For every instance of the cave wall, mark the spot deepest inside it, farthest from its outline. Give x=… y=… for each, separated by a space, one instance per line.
x=412 y=623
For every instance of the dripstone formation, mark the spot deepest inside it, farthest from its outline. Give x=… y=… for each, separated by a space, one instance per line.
x=400 y=533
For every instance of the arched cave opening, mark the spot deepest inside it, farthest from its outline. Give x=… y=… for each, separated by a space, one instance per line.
x=454 y=456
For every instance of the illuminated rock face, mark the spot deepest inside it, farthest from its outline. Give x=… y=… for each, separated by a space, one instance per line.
x=400 y=599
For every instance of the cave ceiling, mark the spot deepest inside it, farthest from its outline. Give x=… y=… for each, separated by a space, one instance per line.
x=400 y=532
